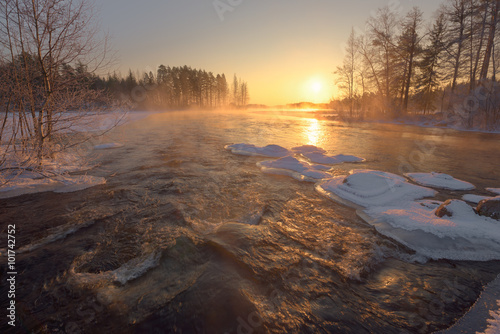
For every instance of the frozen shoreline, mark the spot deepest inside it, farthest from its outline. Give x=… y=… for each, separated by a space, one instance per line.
x=57 y=176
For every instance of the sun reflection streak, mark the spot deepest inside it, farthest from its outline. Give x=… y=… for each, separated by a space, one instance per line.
x=314 y=133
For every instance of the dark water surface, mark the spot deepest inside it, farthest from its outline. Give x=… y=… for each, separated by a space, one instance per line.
x=187 y=238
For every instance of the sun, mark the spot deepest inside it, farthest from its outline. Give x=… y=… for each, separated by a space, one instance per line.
x=316 y=87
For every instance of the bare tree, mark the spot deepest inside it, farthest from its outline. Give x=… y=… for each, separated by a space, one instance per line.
x=381 y=55
x=346 y=74
x=410 y=48
x=494 y=9
x=52 y=50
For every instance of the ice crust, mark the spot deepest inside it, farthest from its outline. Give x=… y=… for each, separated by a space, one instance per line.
x=273 y=151
x=318 y=155
x=440 y=180
x=300 y=170
x=368 y=188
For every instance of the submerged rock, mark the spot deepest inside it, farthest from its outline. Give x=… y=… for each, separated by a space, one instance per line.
x=489 y=208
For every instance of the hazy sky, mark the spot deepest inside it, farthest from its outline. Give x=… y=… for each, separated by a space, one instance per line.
x=285 y=49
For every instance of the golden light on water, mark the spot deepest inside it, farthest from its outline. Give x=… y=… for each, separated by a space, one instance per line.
x=314 y=132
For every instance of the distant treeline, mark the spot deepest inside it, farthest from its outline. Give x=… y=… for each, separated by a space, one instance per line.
x=400 y=64
x=176 y=88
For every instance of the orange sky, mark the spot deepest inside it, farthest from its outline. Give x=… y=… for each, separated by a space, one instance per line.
x=286 y=50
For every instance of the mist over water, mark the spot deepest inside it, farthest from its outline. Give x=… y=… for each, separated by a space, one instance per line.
x=186 y=237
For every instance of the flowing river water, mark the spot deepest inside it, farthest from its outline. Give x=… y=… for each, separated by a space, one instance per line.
x=186 y=237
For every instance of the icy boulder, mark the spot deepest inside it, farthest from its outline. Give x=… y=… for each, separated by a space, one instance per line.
x=273 y=151
x=368 y=188
x=300 y=170
x=440 y=180
x=460 y=235
x=489 y=208
x=318 y=155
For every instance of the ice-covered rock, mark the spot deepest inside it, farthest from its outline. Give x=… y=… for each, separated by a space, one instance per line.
x=489 y=208
x=369 y=188
x=273 y=151
x=318 y=155
x=300 y=170
x=440 y=180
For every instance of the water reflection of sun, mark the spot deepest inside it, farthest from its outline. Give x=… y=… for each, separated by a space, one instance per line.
x=313 y=132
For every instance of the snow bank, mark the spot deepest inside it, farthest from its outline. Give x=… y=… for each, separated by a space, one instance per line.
x=440 y=180
x=273 y=151
x=318 y=155
x=107 y=146
x=368 y=188
x=463 y=236
x=300 y=170
x=475 y=199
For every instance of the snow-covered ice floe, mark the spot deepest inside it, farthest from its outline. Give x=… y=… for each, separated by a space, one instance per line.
x=440 y=180
x=107 y=146
x=300 y=170
x=396 y=209
x=318 y=155
x=464 y=235
x=368 y=188
x=494 y=190
x=29 y=184
x=273 y=151
x=475 y=199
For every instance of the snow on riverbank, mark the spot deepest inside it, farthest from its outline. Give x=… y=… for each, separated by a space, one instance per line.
x=56 y=174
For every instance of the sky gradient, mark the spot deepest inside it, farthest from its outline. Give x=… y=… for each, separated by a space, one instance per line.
x=286 y=50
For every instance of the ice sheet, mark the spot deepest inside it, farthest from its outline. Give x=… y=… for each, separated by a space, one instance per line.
x=273 y=151
x=299 y=170
x=318 y=155
x=440 y=180
x=475 y=199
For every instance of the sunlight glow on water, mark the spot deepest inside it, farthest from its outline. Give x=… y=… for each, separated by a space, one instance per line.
x=314 y=132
